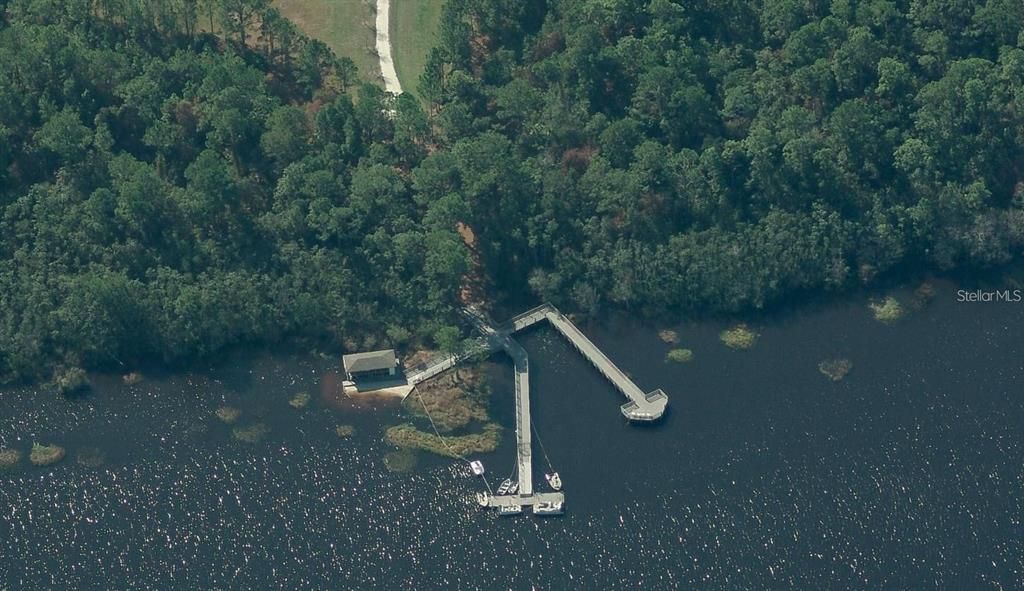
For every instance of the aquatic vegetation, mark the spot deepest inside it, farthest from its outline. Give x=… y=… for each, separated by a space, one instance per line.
x=344 y=431
x=250 y=434
x=300 y=400
x=44 y=455
x=228 y=414
x=835 y=369
x=888 y=310
x=452 y=404
x=923 y=295
x=130 y=379
x=9 y=458
x=400 y=460
x=408 y=436
x=70 y=380
x=680 y=355
x=668 y=336
x=739 y=337
x=91 y=457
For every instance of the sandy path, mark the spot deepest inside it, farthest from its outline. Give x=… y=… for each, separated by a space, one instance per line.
x=387 y=65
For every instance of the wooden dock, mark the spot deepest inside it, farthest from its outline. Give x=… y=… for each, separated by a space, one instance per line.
x=641 y=406
x=441 y=364
x=526 y=501
x=524 y=453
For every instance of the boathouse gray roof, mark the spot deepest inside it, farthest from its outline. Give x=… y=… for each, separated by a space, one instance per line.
x=369 y=361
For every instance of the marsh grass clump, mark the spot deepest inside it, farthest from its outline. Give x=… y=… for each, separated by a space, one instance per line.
x=344 y=431
x=923 y=295
x=408 y=436
x=835 y=369
x=9 y=458
x=453 y=405
x=299 y=401
x=680 y=355
x=888 y=310
x=250 y=434
x=130 y=379
x=228 y=414
x=70 y=380
x=670 y=337
x=91 y=457
x=400 y=460
x=739 y=337
x=44 y=455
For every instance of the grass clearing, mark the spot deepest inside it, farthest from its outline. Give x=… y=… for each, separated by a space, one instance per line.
x=346 y=26
x=414 y=25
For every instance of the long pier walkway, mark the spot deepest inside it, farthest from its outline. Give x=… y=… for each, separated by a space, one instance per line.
x=640 y=407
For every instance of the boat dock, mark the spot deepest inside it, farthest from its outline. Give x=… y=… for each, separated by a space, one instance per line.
x=439 y=365
x=640 y=407
x=524 y=453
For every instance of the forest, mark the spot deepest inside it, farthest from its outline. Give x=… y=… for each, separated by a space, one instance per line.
x=180 y=176
x=721 y=155
x=168 y=192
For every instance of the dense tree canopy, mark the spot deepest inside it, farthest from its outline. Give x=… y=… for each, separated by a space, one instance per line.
x=177 y=176
x=167 y=192
x=722 y=154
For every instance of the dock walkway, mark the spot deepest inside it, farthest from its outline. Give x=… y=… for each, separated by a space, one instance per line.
x=524 y=454
x=438 y=365
x=641 y=406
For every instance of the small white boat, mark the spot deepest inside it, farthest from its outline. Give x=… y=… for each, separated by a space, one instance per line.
x=478 y=467
x=552 y=508
x=506 y=510
x=514 y=488
x=483 y=499
x=504 y=487
x=554 y=481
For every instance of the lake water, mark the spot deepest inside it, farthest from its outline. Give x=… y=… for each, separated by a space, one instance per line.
x=908 y=474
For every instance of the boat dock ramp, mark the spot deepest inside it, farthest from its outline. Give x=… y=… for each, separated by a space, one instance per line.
x=641 y=406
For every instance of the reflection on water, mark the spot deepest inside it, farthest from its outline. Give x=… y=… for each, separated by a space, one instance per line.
x=766 y=473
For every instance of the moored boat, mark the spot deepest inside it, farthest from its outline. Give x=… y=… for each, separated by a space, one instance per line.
x=477 y=467
x=483 y=499
x=504 y=487
x=554 y=481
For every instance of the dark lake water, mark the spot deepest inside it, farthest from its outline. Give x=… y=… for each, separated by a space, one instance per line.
x=908 y=474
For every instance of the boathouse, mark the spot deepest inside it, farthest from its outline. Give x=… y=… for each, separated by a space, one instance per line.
x=370 y=365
